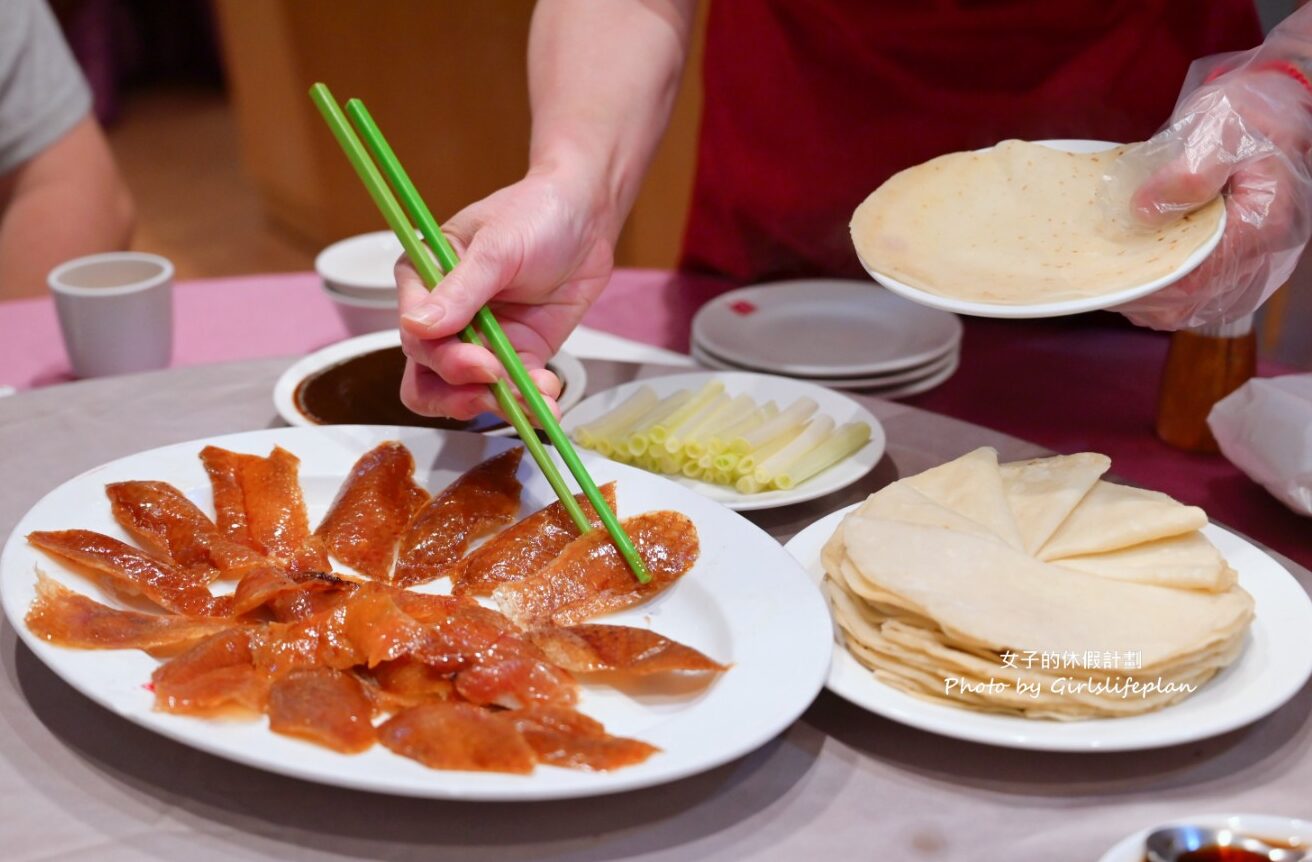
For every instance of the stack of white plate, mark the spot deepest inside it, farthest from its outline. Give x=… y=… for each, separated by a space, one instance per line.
x=356 y=274
x=841 y=334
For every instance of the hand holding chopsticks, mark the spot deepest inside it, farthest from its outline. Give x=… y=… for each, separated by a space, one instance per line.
x=485 y=329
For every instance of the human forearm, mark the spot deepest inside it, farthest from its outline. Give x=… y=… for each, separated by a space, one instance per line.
x=602 y=79
x=66 y=202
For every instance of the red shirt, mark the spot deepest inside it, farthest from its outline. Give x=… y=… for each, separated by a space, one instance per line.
x=810 y=105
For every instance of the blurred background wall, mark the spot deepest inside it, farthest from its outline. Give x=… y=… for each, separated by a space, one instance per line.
x=234 y=173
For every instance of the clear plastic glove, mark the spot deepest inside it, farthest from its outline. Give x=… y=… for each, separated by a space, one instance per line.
x=542 y=247
x=1242 y=128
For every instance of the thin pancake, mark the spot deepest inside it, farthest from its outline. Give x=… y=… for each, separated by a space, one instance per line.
x=1111 y=517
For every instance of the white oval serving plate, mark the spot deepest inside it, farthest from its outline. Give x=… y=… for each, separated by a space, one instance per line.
x=746 y=602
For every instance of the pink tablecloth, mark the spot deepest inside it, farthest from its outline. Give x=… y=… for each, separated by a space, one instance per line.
x=1087 y=383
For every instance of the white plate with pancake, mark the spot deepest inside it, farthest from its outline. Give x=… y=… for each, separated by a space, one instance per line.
x=1273 y=667
x=744 y=602
x=822 y=328
x=1057 y=308
x=761 y=388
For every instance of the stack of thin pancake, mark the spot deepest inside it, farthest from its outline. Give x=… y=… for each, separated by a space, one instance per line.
x=1101 y=599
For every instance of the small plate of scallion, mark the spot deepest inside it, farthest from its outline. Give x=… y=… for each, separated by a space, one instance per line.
x=749 y=441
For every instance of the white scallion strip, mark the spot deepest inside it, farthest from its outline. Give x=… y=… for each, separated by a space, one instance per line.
x=614 y=423
x=637 y=440
x=730 y=441
x=815 y=433
x=747 y=485
x=791 y=418
x=725 y=461
x=661 y=430
x=721 y=439
x=747 y=463
x=697 y=440
x=842 y=443
x=679 y=433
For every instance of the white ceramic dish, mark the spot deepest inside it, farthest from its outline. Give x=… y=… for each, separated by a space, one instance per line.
x=1275 y=664
x=571 y=372
x=746 y=601
x=1286 y=829
x=361 y=266
x=924 y=384
x=822 y=328
x=362 y=316
x=1063 y=307
x=871 y=385
x=762 y=387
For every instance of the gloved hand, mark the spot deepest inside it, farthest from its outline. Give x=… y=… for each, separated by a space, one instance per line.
x=1243 y=128
x=543 y=247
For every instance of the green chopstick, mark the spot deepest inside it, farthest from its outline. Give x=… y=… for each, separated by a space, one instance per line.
x=430 y=274
x=491 y=330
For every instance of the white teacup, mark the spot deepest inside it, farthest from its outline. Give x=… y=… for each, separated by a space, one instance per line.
x=115 y=311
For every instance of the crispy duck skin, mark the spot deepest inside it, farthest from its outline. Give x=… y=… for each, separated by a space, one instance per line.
x=259 y=503
x=372 y=510
x=214 y=677
x=565 y=737
x=134 y=572
x=455 y=735
x=590 y=648
x=67 y=618
x=323 y=705
x=480 y=502
x=589 y=577
x=523 y=549
x=162 y=520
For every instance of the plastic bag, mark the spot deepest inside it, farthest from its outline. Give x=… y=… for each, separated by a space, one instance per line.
x=1265 y=428
x=1242 y=126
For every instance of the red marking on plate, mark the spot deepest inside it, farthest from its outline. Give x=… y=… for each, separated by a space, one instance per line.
x=742 y=306
x=149 y=686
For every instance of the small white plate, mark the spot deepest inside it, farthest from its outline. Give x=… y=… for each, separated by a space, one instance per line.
x=762 y=387
x=1064 y=307
x=571 y=372
x=902 y=383
x=746 y=602
x=361 y=266
x=1286 y=829
x=822 y=328
x=710 y=360
x=1275 y=664
x=924 y=384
